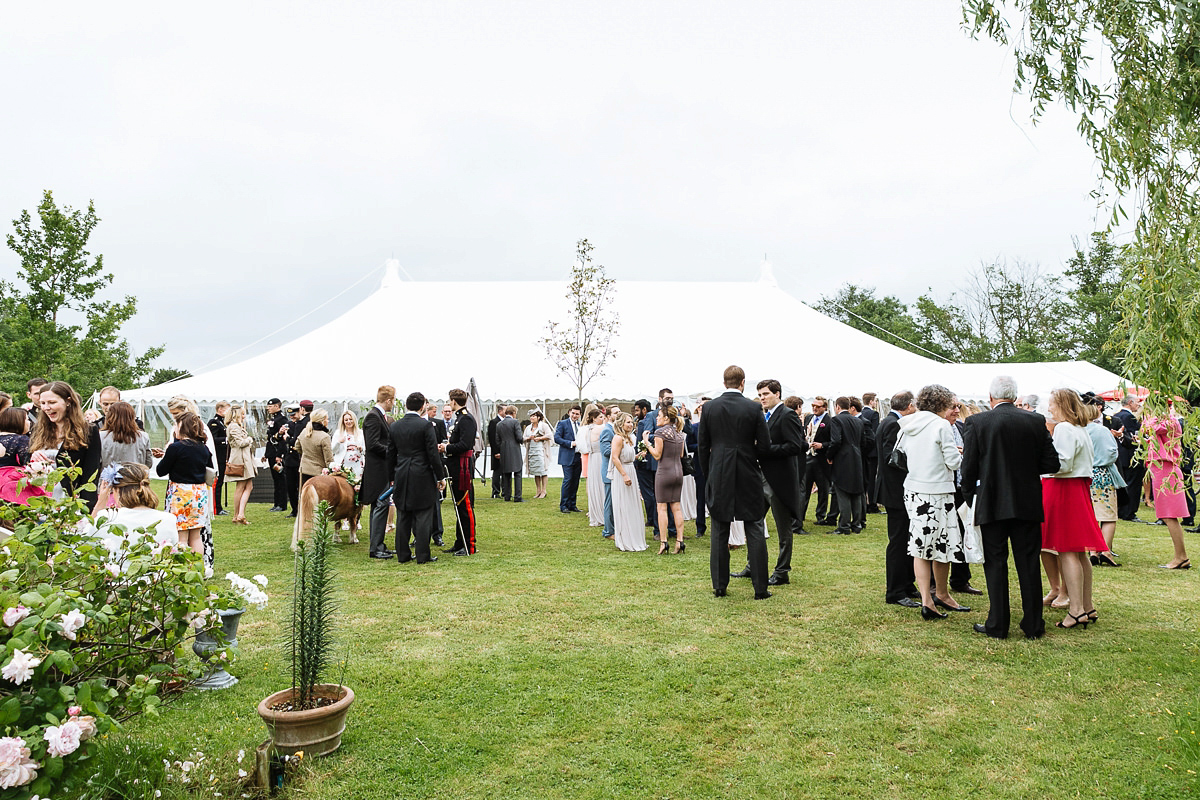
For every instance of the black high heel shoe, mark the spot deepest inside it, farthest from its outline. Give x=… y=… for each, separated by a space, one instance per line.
x=1185 y=564
x=929 y=614
x=680 y=547
x=1103 y=560
x=662 y=549
x=1082 y=619
x=1092 y=615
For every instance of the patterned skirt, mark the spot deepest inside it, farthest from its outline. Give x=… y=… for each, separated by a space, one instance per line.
x=933 y=530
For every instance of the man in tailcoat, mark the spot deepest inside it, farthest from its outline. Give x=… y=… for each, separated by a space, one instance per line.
x=494 y=445
x=439 y=432
x=416 y=468
x=508 y=434
x=900 y=588
x=376 y=474
x=276 y=423
x=733 y=436
x=1005 y=453
x=870 y=418
x=1133 y=471
x=781 y=479
x=844 y=454
x=291 y=459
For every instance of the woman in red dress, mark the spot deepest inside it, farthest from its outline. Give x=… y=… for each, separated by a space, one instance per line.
x=1070 y=529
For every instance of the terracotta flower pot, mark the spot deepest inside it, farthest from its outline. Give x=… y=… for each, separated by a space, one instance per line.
x=317 y=731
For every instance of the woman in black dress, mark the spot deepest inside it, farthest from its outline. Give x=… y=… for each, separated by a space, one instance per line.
x=667 y=448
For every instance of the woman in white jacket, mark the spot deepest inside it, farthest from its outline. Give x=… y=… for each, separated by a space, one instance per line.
x=935 y=540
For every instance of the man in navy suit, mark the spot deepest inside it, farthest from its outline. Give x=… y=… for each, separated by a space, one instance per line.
x=606 y=440
x=569 y=459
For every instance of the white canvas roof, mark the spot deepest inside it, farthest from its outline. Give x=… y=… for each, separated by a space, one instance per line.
x=432 y=336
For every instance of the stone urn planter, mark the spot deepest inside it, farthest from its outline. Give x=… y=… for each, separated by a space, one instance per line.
x=317 y=731
x=206 y=644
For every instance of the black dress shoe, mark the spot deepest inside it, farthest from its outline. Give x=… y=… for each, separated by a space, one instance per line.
x=940 y=604
x=576 y=510
x=462 y=552
x=762 y=596
x=718 y=592
x=907 y=602
x=979 y=627
x=380 y=554
x=777 y=580
x=518 y=500
x=968 y=589
x=437 y=542
x=222 y=513
x=743 y=574
x=276 y=508
x=429 y=561
x=451 y=550
x=801 y=532
x=405 y=560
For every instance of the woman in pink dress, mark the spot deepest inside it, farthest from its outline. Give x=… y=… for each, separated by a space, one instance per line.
x=1162 y=461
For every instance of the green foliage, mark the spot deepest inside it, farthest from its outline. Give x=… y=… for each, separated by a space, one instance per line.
x=1004 y=313
x=104 y=632
x=1094 y=315
x=51 y=321
x=1130 y=72
x=582 y=347
x=310 y=642
x=885 y=318
x=164 y=374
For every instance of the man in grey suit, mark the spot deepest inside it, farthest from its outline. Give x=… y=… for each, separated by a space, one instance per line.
x=416 y=468
x=731 y=440
x=606 y=440
x=508 y=436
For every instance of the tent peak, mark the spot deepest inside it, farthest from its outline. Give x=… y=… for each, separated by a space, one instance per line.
x=766 y=274
x=391 y=276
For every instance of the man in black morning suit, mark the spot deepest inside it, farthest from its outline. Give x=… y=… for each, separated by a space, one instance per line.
x=781 y=479
x=870 y=418
x=376 y=475
x=416 y=467
x=900 y=588
x=816 y=468
x=1005 y=451
x=441 y=434
x=844 y=453
x=732 y=437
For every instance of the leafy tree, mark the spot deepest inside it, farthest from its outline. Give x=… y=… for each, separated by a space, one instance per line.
x=1130 y=73
x=884 y=318
x=1092 y=302
x=1004 y=313
x=582 y=347
x=164 y=374
x=51 y=322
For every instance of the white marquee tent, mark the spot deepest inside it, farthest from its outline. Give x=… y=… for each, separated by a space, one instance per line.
x=432 y=336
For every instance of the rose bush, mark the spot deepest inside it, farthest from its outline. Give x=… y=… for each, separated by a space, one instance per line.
x=90 y=637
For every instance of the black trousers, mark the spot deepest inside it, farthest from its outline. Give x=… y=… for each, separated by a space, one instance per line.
x=701 y=523
x=377 y=523
x=852 y=511
x=1026 y=540
x=221 y=461
x=898 y=564
x=1133 y=473
x=293 y=486
x=280 y=482
x=495 y=476
x=756 y=555
x=418 y=525
x=870 y=470
x=816 y=471
x=507 y=488
x=785 y=518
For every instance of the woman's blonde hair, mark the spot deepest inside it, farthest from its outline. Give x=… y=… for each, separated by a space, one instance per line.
x=1070 y=408
x=236 y=415
x=341 y=426
x=318 y=417
x=132 y=485
x=179 y=404
x=620 y=426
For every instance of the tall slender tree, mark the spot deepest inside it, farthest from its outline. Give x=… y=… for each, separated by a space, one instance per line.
x=583 y=346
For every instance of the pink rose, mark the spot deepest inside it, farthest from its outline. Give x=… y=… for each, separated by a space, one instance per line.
x=64 y=739
x=16 y=767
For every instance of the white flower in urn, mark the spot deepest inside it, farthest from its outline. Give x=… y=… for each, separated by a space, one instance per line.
x=249 y=591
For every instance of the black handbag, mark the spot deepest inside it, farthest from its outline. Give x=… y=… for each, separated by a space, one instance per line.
x=898 y=459
x=686 y=462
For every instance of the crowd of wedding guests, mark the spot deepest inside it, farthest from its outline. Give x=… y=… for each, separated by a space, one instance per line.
x=960 y=485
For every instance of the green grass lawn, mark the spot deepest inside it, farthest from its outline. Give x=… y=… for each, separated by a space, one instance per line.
x=550 y=665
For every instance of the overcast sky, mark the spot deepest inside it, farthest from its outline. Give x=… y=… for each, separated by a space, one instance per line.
x=249 y=160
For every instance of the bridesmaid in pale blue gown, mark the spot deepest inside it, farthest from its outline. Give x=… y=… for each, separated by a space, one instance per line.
x=629 y=524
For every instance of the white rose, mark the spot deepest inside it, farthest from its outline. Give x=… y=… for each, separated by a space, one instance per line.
x=14 y=615
x=16 y=767
x=20 y=668
x=64 y=739
x=71 y=622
